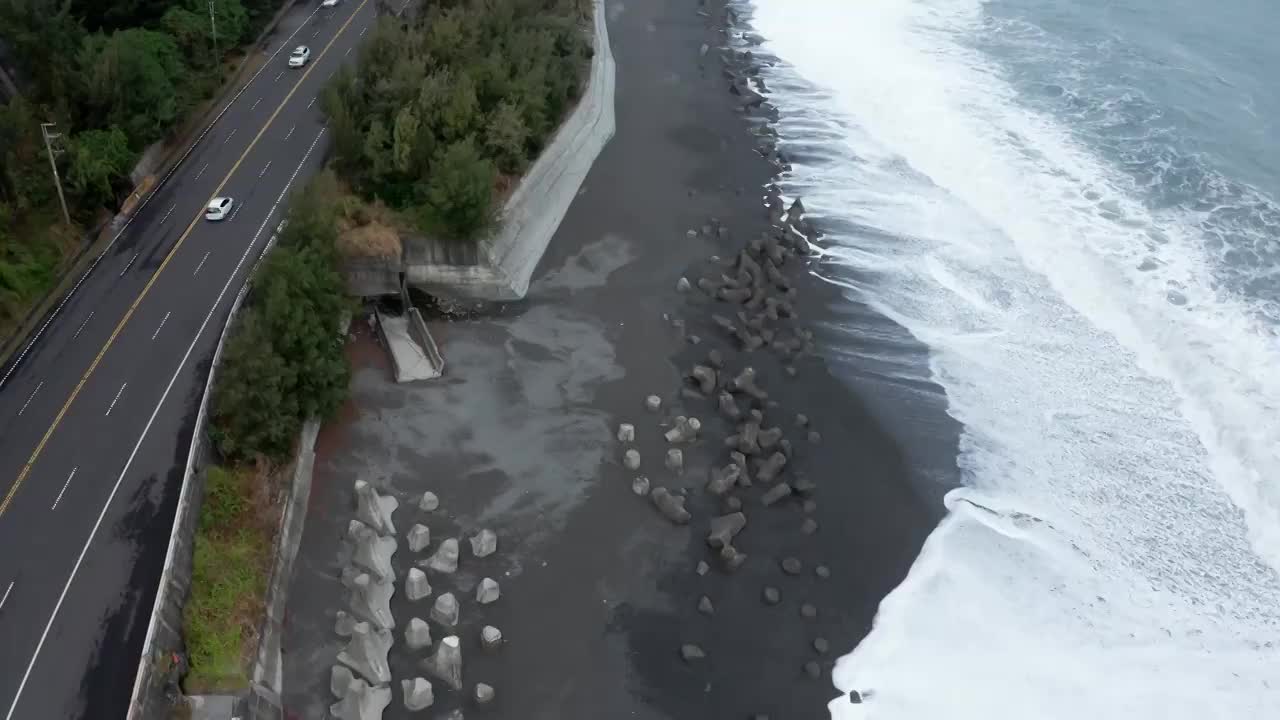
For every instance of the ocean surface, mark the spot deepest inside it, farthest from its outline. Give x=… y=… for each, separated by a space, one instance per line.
x=1075 y=205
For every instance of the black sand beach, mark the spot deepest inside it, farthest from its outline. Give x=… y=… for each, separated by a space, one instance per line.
x=599 y=591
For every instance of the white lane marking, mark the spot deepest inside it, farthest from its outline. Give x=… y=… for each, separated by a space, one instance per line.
x=313 y=100
x=348 y=52
x=162 y=322
x=255 y=104
x=93 y=532
x=64 y=488
x=206 y=257
x=58 y=310
x=86 y=322
x=291 y=129
x=29 y=399
x=227 y=139
x=5 y=599
x=317 y=32
x=167 y=214
x=363 y=29
x=264 y=169
x=126 y=267
x=278 y=77
x=206 y=167
x=118 y=394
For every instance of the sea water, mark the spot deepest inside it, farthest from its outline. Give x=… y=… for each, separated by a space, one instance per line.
x=1074 y=205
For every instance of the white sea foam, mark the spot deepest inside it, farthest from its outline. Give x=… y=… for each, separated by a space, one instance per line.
x=1113 y=553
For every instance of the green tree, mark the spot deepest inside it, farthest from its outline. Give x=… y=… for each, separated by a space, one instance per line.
x=505 y=137
x=459 y=192
x=403 y=135
x=254 y=410
x=99 y=159
x=461 y=113
x=132 y=79
x=44 y=37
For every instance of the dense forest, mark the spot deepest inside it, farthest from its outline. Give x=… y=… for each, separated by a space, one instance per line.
x=439 y=113
x=116 y=76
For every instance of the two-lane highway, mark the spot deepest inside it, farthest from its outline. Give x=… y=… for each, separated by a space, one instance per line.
x=96 y=415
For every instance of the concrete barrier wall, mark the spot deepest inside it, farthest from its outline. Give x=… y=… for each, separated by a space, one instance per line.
x=534 y=211
x=164 y=631
x=267 y=673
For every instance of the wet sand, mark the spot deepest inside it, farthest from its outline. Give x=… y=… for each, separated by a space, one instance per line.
x=599 y=591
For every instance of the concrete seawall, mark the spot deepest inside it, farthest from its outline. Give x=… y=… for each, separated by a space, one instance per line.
x=533 y=213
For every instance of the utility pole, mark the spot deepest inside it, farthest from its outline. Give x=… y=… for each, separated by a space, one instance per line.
x=213 y=26
x=48 y=146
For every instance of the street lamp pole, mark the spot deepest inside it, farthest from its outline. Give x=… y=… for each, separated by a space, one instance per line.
x=213 y=27
x=48 y=146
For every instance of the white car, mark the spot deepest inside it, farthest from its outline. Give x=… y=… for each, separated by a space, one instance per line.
x=329 y=3
x=219 y=208
x=299 y=56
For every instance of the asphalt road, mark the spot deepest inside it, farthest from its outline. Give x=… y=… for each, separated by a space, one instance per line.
x=96 y=415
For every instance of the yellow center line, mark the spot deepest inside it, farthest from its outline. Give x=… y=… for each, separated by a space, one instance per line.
x=26 y=469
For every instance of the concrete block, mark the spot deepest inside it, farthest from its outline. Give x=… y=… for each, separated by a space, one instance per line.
x=366 y=653
x=375 y=510
x=416 y=586
x=487 y=591
x=446 y=663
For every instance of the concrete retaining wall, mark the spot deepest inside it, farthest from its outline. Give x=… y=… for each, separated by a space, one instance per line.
x=371 y=277
x=164 y=632
x=533 y=213
x=268 y=676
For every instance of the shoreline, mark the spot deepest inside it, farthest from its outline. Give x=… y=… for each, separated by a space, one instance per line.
x=599 y=591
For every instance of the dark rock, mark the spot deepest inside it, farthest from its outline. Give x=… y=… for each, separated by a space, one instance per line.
x=855 y=697
x=708 y=286
x=804 y=485
x=796 y=210
x=822 y=571
x=702 y=567
x=748 y=341
x=724 y=323
x=802 y=420
x=705 y=607
x=682 y=285
x=808 y=611
x=693 y=339
x=732 y=504
x=740 y=460
x=691 y=653
x=771 y=468
x=820 y=645
x=769 y=437
x=671 y=506
x=792 y=565
x=771 y=595
x=715 y=359
x=814 y=437
x=725 y=528
x=731 y=558
x=810 y=505
x=784 y=445
x=812 y=669
x=809 y=526
x=748 y=436
x=775 y=493
x=729 y=407
x=734 y=295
